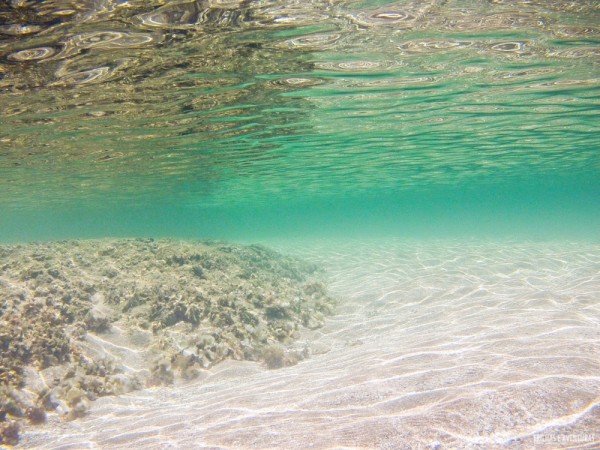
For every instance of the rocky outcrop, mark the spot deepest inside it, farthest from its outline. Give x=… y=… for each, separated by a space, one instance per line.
x=82 y=319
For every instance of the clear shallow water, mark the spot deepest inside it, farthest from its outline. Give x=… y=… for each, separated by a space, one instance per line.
x=245 y=120
x=307 y=121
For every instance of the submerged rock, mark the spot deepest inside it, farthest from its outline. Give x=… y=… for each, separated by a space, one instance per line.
x=105 y=317
x=9 y=432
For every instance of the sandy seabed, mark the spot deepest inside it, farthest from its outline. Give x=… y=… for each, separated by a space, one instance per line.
x=433 y=346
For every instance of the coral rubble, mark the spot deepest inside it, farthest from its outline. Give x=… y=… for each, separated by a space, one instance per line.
x=179 y=306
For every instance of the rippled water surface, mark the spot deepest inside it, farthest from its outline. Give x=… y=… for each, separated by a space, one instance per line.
x=224 y=117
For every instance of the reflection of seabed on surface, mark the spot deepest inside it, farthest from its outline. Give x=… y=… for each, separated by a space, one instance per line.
x=434 y=346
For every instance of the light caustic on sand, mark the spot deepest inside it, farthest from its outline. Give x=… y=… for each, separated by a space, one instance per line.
x=432 y=346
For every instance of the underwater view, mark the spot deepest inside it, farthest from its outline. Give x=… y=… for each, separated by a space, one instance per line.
x=300 y=224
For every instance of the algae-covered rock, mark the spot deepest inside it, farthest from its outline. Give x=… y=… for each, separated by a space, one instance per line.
x=9 y=432
x=105 y=317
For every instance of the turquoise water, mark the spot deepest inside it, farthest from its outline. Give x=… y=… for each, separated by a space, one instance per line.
x=412 y=149
x=251 y=120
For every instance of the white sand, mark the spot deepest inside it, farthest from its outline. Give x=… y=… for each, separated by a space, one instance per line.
x=446 y=345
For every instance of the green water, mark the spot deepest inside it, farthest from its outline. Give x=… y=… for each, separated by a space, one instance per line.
x=253 y=120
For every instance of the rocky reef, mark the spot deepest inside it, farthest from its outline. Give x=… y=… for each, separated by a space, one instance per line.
x=83 y=319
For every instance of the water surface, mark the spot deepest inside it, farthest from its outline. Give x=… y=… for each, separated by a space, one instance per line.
x=248 y=119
